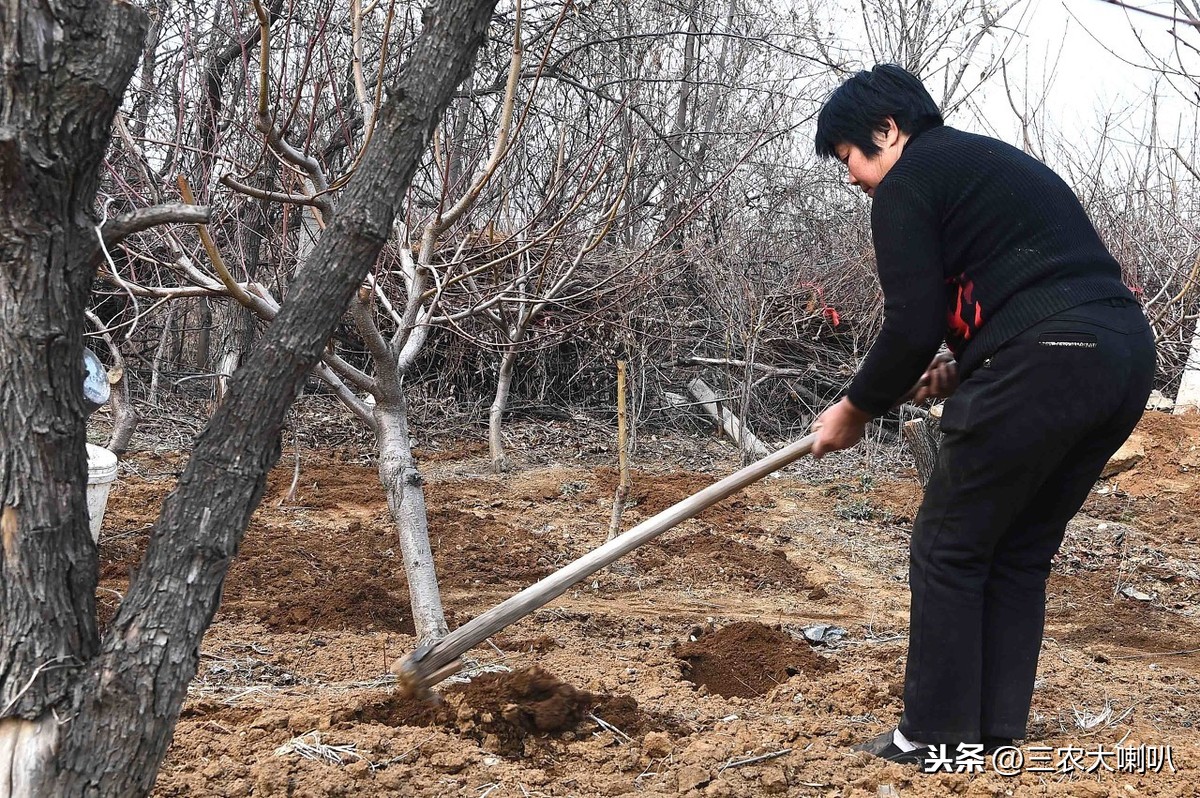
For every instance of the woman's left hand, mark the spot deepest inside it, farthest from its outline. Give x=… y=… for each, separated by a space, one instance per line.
x=839 y=427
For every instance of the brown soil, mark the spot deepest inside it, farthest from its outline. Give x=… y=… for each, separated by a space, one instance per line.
x=315 y=610
x=747 y=659
x=1161 y=489
x=505 y=708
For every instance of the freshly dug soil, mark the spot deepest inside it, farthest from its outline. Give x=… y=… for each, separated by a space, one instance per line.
x=747 y=659
x=507 y=707
x=315 y=607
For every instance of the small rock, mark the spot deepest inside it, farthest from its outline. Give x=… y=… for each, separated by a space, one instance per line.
x=450 y=761
x=719 y=788
x=1132 y=452
x=691 y=777
x=773 y=780
x=1158 y=401
x=270 y=720
x=657 y=744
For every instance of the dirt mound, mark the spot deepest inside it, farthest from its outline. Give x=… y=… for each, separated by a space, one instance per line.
x=307 y=576
x=701 y=556
x=1162 y=490
x=622 y=712
x=1092 y=612
x=747 y=659
x=1172 y=452
x=325 y=483
x=505 y=708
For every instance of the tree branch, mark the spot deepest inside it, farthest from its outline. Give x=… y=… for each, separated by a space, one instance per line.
x=121 y=227
x=270 y=196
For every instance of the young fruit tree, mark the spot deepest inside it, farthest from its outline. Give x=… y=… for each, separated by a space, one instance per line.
x=82 y=714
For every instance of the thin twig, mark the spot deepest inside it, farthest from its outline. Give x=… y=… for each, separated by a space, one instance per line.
x=737 y=763
x=1184 y=652
x=603 y=724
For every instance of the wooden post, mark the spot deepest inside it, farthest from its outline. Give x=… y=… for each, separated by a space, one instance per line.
x=618 y=508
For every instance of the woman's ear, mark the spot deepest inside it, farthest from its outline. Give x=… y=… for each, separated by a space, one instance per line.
x=892 y=135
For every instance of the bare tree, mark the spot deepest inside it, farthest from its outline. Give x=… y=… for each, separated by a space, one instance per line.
x=80 y=714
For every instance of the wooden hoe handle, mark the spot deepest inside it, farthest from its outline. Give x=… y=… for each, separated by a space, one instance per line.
x=435 y=661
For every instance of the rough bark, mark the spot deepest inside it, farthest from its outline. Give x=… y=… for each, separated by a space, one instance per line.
x=64 y=71
x=65 y=67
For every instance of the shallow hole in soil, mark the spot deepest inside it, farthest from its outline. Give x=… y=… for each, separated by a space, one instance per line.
x=747 y=659
x=397 y=710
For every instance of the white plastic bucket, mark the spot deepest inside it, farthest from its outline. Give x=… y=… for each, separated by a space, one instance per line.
x=102 y=470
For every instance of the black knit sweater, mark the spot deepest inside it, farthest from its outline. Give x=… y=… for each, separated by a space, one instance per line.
x=975 y=241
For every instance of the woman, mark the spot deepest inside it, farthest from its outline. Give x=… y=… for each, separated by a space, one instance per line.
x=984 y=247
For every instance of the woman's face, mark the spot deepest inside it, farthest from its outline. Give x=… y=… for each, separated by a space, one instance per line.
x=867 y=172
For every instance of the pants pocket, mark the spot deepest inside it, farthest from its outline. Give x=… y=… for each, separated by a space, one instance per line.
x=1067 y=340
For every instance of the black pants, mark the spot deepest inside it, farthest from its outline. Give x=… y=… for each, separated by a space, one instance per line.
x=1026 y=436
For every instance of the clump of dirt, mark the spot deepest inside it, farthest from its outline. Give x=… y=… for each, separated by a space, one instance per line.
x=505 y=708
x=747 y=659
x=622 y=712
x=700 y=555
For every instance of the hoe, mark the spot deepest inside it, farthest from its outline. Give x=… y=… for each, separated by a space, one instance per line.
x=434 y=661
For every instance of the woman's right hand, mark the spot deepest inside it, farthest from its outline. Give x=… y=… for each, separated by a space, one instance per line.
x=939 y=381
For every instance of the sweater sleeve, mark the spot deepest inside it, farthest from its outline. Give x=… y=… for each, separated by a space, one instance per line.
x=907 y=236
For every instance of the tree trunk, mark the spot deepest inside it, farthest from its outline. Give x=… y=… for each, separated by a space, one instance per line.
x=59 y=91
x=235 y=335
x=500 y=462
x=204 y=321
x=62 y=75
x=406 y=499
x=924 y=436
x=125 y=415
x=160 y=352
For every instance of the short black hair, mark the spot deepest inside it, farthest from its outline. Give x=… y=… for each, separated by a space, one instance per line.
x=860 y=107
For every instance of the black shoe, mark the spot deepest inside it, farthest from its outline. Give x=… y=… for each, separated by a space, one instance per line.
x=884 y=746
x=991 y=744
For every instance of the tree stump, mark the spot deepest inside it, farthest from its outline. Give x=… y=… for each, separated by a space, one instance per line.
x=923 y=436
